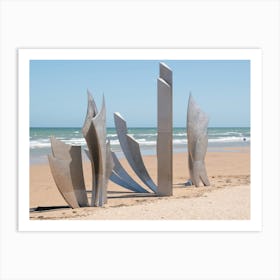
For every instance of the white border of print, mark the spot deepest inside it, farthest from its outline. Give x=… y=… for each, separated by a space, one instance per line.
x=254 y=55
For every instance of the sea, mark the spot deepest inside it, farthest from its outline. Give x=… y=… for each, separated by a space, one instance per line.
x=218 y=139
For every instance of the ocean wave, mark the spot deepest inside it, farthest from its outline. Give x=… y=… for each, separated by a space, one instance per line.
x=39 y=144
x=76 y=141
x=180 y=134
x=148 y=143
x=180 y=141
x=142 y=142
x=45 y=143
x=230 y=139
x=226 y=134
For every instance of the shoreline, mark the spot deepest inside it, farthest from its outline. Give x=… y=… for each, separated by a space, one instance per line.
x=150 y=151
x=228 y=172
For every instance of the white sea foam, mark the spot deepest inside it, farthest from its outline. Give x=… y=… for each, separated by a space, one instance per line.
x=44 y=143
x=143 y=134
x=141 y=140
x=179 y=134
x=230 y=139
x=148 y=143
x=148 y=140
x=180 y=141
x=76 y=141
x=38 y=144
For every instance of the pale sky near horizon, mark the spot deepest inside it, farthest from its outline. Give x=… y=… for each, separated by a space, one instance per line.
x=58 y=91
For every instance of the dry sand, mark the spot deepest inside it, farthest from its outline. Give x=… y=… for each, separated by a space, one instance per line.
x=228 y=197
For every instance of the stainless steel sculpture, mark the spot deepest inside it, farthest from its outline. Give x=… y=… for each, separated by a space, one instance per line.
x=99 y=132
x=66 y=167
x=164 y=138
x=197 y=123
x=132 y=152
x=66 y=161
x=122 y=178
x=91 y=142
x=94 y=131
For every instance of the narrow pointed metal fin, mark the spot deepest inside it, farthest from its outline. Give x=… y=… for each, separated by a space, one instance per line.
x=99 y=138
x=132 y=152
x=121 y=173
x=121 y=182
x=91 y=112
x=90 y=137
x=140 y=168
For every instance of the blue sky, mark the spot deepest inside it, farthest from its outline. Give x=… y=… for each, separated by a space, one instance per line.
x=58 y=91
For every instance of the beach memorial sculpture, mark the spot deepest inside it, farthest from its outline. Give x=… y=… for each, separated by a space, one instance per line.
x=66 y=161
x=165 y=131
x=131 y=150
x=197 y=123
x=94 y=131
x=66 y=167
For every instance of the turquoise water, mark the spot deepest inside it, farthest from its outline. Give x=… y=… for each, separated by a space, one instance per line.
x=218 y=137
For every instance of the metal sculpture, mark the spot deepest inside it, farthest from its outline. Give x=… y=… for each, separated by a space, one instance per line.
x=109 y=163
x=99 y=133
x=197 y=123
x=132 y=152
x=164 y=138
x=137 y=158
x=122 y=178
x=66 y=167
x=118 y=174
x=94 y=131
x=89 y=136
x=66 y=161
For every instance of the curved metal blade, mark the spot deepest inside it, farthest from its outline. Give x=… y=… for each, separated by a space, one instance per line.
x=132 y=152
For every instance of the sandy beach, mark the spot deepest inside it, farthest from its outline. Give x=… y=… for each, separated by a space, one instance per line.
x=228 y=197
